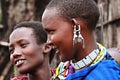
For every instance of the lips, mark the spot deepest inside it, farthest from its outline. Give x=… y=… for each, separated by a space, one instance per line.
x=19 y=62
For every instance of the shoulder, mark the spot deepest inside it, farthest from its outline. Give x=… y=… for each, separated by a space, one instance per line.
x=115 y=53
x=107 y=69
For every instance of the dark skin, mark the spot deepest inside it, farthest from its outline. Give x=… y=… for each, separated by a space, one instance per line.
x=28 y=56
x=60 y=35
x=115 y=53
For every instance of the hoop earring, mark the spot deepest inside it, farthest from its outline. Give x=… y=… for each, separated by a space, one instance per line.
x=77 y=37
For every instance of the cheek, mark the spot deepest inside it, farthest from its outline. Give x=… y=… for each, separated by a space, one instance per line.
x=57 y=41
x=35 y=54
x=58 y=36
x=11 y=59
x=29 y=51
x=37 y=60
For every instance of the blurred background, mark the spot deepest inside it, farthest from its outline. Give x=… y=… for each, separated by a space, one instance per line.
x=15 y=11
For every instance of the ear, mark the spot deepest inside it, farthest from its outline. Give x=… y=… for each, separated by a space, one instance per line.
x=47 y=49
x=75 y=21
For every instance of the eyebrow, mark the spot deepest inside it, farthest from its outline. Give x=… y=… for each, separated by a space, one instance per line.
x=10 y=45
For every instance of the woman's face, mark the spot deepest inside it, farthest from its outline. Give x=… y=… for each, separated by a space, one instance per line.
x=60 y=33
x=25 y=53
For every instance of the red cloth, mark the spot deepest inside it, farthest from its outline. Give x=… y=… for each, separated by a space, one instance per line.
x=20 y=78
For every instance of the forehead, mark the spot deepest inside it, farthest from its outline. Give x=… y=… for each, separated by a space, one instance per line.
x=51 y=16
x=49 y=13
x=20 y=33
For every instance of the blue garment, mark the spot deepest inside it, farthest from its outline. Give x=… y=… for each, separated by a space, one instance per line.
x=107 y=69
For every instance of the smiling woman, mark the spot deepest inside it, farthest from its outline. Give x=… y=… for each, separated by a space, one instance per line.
x=70 y=26
x=28 y=51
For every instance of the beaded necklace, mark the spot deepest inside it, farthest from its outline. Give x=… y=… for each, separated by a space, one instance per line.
x=63 y=70
x=93 y=58
x=88 y=60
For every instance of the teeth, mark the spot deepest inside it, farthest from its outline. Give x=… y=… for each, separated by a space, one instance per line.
x=18 y=62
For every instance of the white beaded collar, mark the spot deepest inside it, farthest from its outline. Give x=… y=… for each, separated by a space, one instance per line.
x=85 y=61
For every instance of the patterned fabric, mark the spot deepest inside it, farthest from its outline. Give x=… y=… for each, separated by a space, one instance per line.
x=20 y=78
x=105 y=70
x=60 y=68
x=63 y=70
x=94 y=72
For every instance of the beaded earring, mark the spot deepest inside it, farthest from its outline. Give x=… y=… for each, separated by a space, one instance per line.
x=77 y=37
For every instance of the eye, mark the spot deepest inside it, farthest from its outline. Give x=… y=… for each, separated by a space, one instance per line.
x=23 y=45
x=51 y=32
x=11 y=51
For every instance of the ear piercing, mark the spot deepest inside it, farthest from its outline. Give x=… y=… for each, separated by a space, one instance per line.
x=77 y=37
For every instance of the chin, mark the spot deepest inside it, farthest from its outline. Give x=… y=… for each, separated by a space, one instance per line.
x=23 y=70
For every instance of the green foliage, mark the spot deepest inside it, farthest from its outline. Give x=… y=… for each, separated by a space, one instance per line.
x=16 y=73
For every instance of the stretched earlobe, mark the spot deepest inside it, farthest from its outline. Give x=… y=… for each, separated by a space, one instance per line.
x=77 y=36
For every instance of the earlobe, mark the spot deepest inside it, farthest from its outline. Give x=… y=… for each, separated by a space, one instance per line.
x=47 y=48
x=77 y=36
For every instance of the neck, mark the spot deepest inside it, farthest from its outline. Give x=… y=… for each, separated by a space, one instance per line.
x=42 y=73
x=90 y=45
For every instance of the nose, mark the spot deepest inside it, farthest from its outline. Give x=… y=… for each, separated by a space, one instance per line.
x=50 y=41
x=16 y=53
